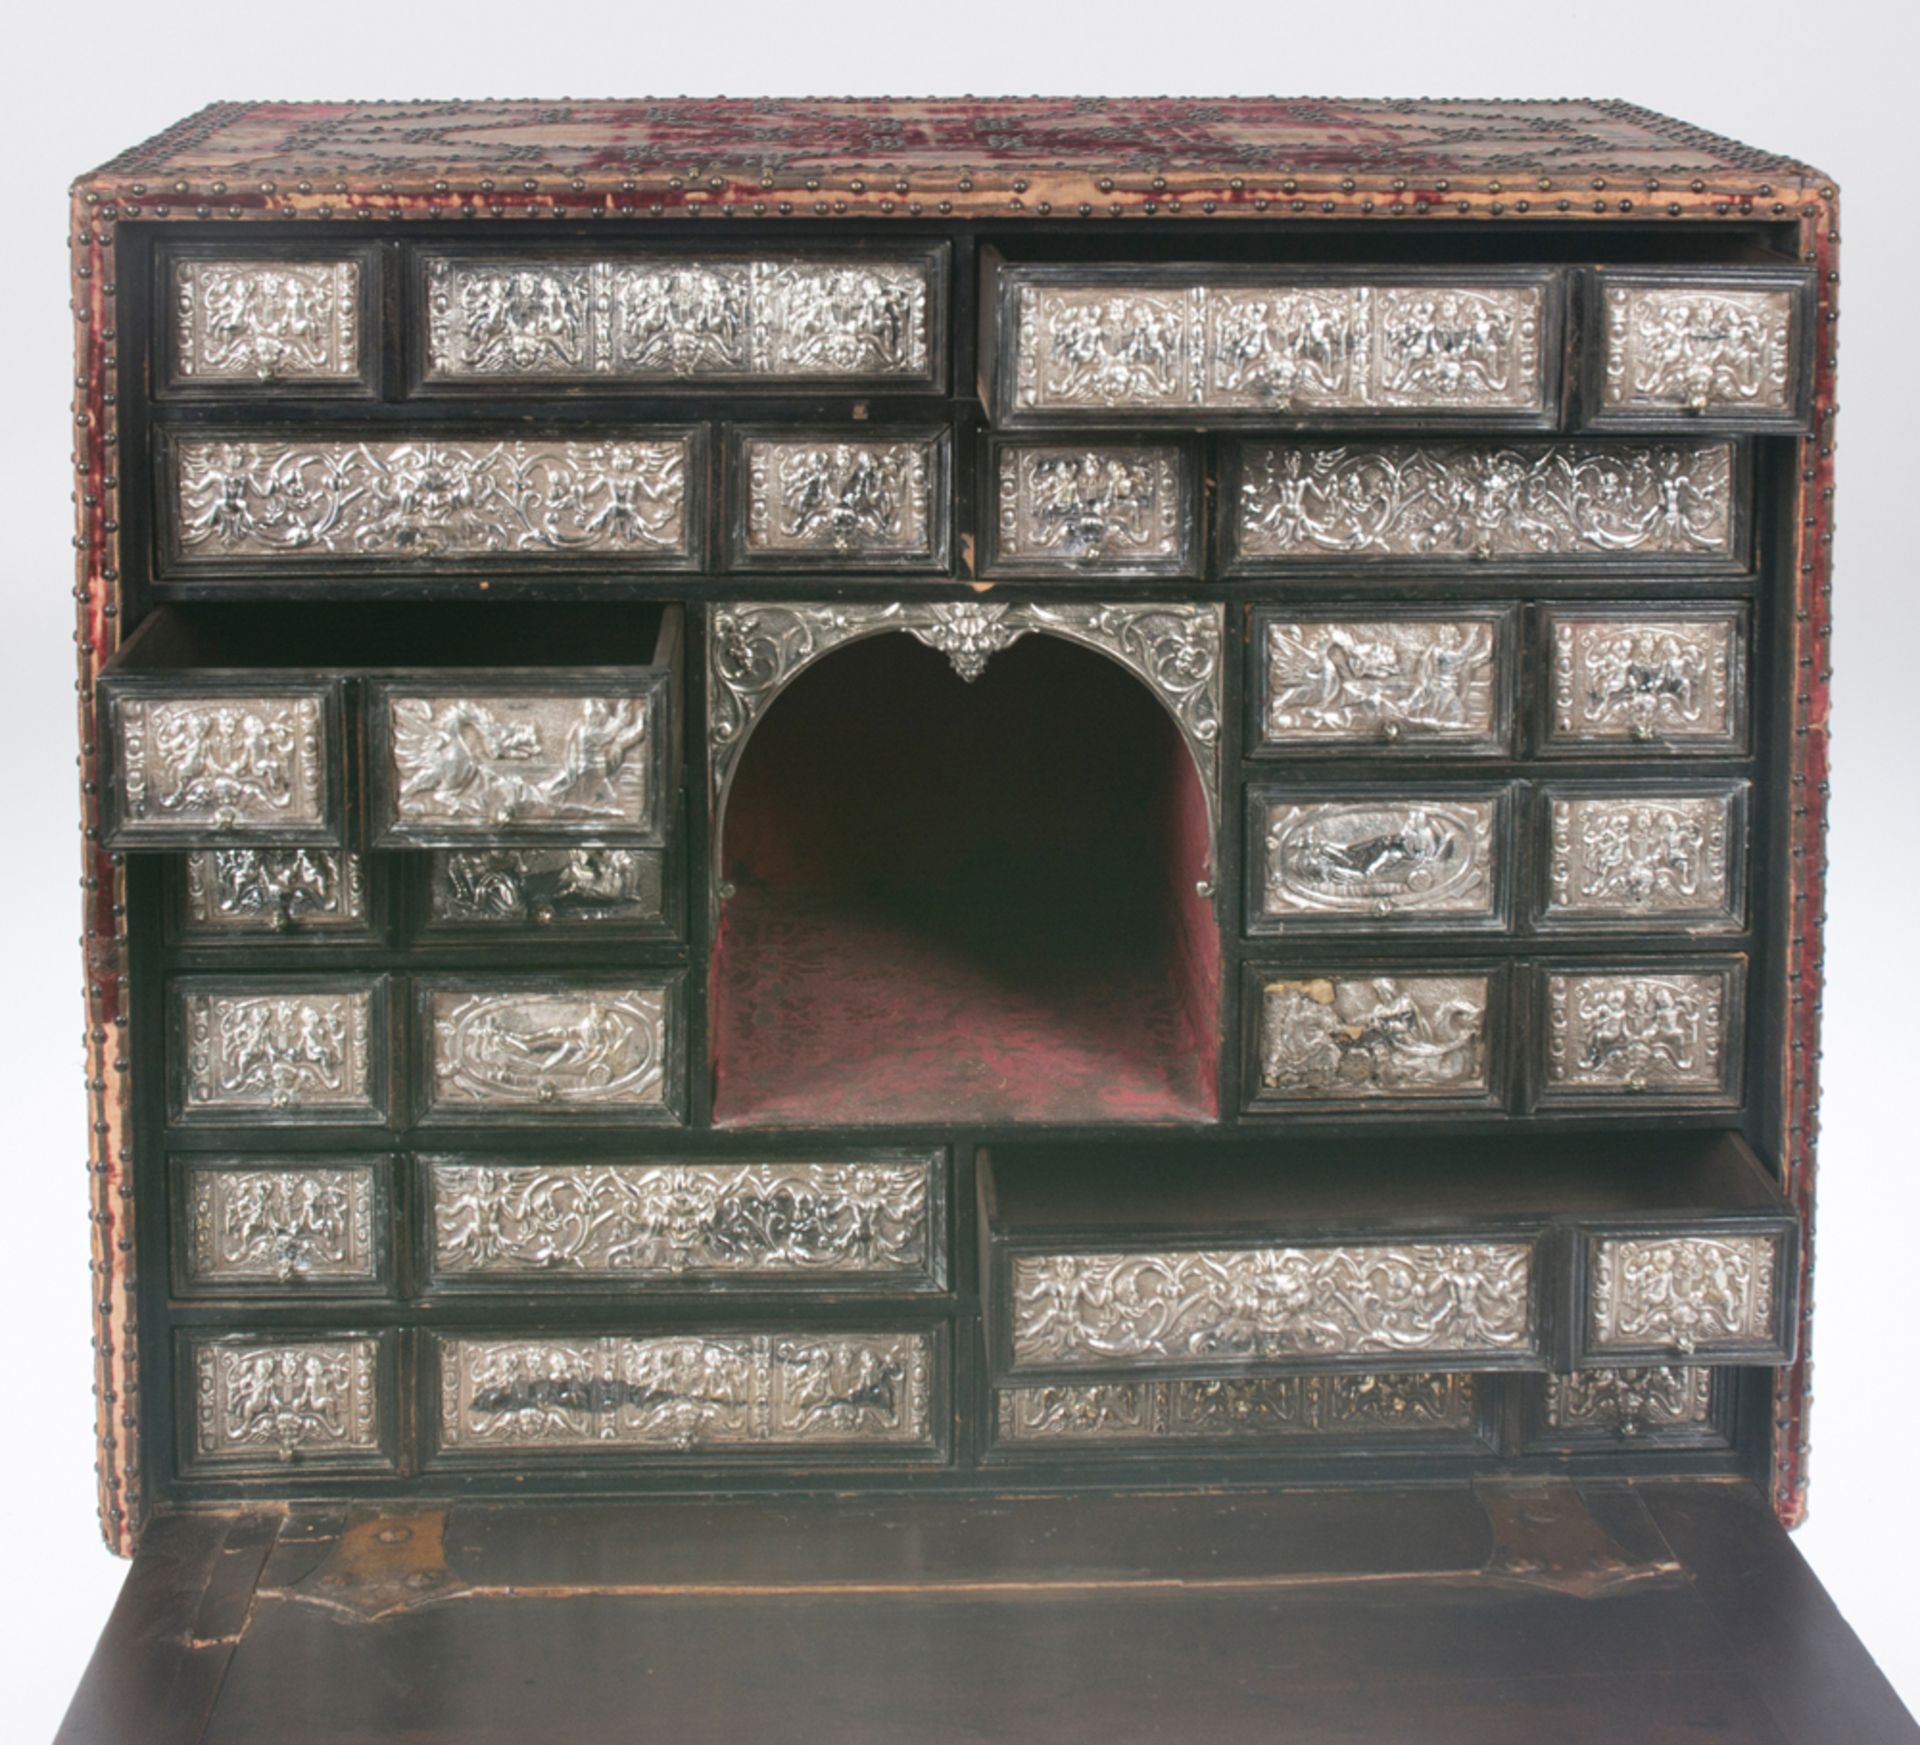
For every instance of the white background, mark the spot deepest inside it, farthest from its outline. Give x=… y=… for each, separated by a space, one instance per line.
x=1832 y=83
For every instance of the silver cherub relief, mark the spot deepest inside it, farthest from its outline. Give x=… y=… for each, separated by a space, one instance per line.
x=1684 y=1294
x=1362 y=1036
x=277 y=1052
x=1651 y=855
x=1699 y=348
x=1111 y=506
x=266 y=320
x=224 y=762
x=1667 y=680
x=309 y=1400
x=275 y=890
x=858 y=499
x=1637 y=1031
x=282 y=1225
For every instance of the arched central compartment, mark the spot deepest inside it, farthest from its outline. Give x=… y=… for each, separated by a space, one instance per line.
x=965 y=903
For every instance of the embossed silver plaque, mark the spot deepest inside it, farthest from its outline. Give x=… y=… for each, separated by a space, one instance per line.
x=262 y=1403
x=679 y=1393
x=1369 y=683
x=498 y=889
x=426 y=497
x=548 y=1049
x=242 y=892
x=1176 y=342
x=1369 y=1035
x=793 y=1222
x=458 y=765
x=1373 y=858
x=1684 y=1294
x=267 y=1223
x=684 y=318
x=279 y=1047
x=246 y=321
x=1640 y=855
x=1226 y=1408
x=1624 y=680
x=1655 y=1402
x=866 y=500
x=1296 y=1305
x=1662 y=1031
x=1701 y=348
x=223 y=764
x=1115 y=508
x=1305 y=502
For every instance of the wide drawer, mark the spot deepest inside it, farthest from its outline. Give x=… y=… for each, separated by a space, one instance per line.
x=856 y=1221
x=1256 y=344
x=1681 y=347
x=708 y=1393
x=205 y=760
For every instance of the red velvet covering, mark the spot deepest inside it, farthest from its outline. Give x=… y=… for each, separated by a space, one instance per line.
x=992 y=920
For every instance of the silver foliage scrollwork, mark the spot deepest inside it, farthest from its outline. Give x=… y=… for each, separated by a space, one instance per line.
x=1683 y=1294
x=676 y=1393
x=311 y=1400
x=671 y=1220
x=1304 y=501
x=428 y=497
x=1417 y=1298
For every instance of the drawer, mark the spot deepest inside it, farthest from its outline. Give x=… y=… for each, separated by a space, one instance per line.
x=1222 y=1413
x=1373 y=1036
x=1718 y=1291
x=1388 y=856
x=1098 y=508
x=863 y=1221
x=1254 y=344
x=1671 y=855
x=488 y=757
x=513 y=894
x=1680 y=347
x=519 y=1048
x=706 y=1393
x=230 y=501
x=875 y=499
x=1667 y=1031
x=198 y=760
x=1626 y=680
x=273 y=1050
x=312 y=1226
x=1469 y=1300
x=1665 y=1405
x=679 y=319
x=230 y=896
x=276 y=1403
x=1677 y=504
x=1423 y=681
x=260 y=324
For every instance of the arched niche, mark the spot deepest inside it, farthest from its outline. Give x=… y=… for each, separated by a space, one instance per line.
x=965 y=871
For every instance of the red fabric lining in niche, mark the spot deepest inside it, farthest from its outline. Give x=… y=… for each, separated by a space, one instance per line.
x=965 y=902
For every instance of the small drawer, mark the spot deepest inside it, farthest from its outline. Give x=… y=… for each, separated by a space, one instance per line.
x=197 y=761
x=1657 y=1030
x=1256 y=1413
x=459 y=759
x=1424 y=681
x=681 y=320
x=265 y=323
x=237 y=896
x=1099 y=509
x=691 y=1394
x=1722 y=1291
x=276 y=1226
x=269 y=1051
x=522 y=1048
x=1465 y=1300
x=575 y=892
x=866 y=1221
x=1361 y=506
x=1650 y=856
x=1374 y=1036
x=278 y=1405
x=877 y=499
x=1682 y=348
x=1225 y=343
x=1392 y=856
x=237 y=501
x=1654 y=1406
x=1626 y=681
